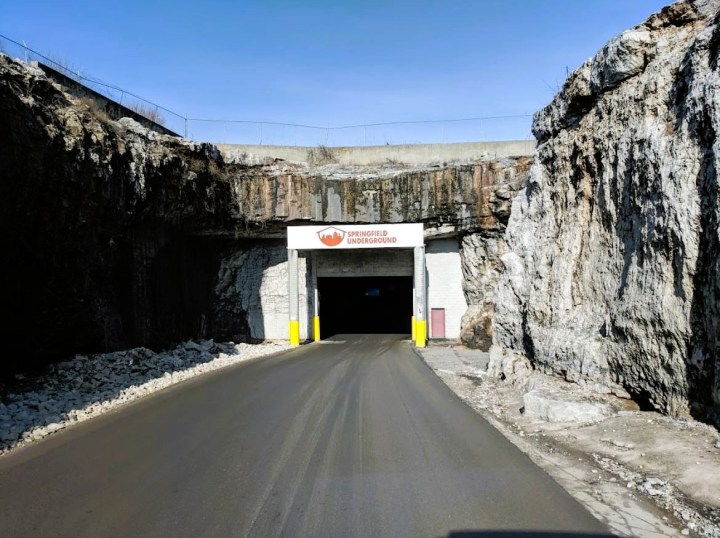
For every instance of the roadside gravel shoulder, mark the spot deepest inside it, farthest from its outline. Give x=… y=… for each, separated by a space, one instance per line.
x=70 y=392
x=642 y=473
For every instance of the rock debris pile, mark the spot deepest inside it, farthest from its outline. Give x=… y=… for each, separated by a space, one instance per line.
x=87 y=386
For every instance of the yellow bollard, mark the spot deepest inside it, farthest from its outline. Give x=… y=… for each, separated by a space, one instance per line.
x=420 y=333
x=294 y=333
x=316 y=328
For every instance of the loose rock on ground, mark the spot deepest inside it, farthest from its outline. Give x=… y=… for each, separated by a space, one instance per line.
x=87 y=386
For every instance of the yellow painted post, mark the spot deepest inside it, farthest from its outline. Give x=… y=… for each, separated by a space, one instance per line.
x=316 y=328
x=420 y=300
x=294 y=302
x=294 y=332
x=420 y=333
x=413 y=328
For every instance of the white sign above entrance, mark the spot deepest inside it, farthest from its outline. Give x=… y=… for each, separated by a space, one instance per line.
x=355 y=236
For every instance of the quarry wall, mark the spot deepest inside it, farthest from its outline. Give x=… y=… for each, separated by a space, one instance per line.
x=451 y=198
x=611 y=276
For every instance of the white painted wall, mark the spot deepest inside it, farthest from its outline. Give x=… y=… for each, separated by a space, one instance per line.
x=268 y=313
x=444 y=284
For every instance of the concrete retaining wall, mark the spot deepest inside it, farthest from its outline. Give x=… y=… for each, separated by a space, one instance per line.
x=375 y=155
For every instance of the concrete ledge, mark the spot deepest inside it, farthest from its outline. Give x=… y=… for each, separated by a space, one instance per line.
x=374 y=155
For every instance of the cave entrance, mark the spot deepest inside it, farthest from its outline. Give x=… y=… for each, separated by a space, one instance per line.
x=365 y=305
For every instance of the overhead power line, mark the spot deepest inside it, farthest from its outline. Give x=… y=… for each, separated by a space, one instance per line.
x=123 y=91
x=356 y=126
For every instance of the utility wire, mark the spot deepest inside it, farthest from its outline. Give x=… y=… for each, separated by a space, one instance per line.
x=255 y=122
x=338 y=127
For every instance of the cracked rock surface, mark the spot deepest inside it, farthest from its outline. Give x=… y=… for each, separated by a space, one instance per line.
x=612 y=278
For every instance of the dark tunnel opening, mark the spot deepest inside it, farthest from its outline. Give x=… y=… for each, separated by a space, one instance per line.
x=365 y=305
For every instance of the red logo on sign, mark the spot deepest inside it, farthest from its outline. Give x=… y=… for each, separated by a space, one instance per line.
x=331 y=236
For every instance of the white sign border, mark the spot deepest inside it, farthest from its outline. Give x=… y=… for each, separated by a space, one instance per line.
x=355 y=236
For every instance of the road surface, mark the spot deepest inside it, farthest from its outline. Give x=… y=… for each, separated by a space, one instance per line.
x=349 y=437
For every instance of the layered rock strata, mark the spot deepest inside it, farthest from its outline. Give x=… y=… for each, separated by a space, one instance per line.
x=612 y=277
x=456 y=198
x=481 y=266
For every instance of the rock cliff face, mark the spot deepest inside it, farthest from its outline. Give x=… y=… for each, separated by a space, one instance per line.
x=481 y=266
x=94 y=213
x=448 y=198
x=116 y=236
x=612 y=276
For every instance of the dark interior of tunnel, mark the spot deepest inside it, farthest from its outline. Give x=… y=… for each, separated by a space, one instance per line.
x=365 y=305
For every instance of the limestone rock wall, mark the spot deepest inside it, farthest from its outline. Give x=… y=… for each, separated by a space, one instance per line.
x=95 y=226
x=251 y=293
x=480 y=254
x=463 y=197
x=612 y=277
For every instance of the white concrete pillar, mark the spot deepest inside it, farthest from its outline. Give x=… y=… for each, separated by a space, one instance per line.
x=316 y=317
x=316 y=297
x=420 y=298
x=294 y=297
x=413 y=321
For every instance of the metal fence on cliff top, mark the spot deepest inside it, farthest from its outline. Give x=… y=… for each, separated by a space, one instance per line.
x=475 y=129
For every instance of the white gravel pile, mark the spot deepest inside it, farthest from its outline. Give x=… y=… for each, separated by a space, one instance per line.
x=87 y=386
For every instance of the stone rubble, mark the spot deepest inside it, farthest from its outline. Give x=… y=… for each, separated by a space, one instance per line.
x=549 y=407
x=694 y=518
x=87 y=386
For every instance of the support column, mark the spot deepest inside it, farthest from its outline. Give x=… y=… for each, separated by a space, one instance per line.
x=412 y=319
x=420 y=298
x=294 y=297
x=316 y=297
x=316 y=317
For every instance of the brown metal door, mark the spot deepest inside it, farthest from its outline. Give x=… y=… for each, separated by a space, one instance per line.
x=437 y=322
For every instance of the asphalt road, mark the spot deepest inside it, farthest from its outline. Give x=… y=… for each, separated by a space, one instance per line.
x=353 y=437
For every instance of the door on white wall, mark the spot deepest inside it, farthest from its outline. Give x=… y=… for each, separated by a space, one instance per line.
x=437 y=323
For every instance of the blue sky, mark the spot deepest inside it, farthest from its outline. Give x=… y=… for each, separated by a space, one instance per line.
x=331 y=63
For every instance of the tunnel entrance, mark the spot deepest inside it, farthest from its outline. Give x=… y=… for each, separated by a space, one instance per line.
x=365 y=305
